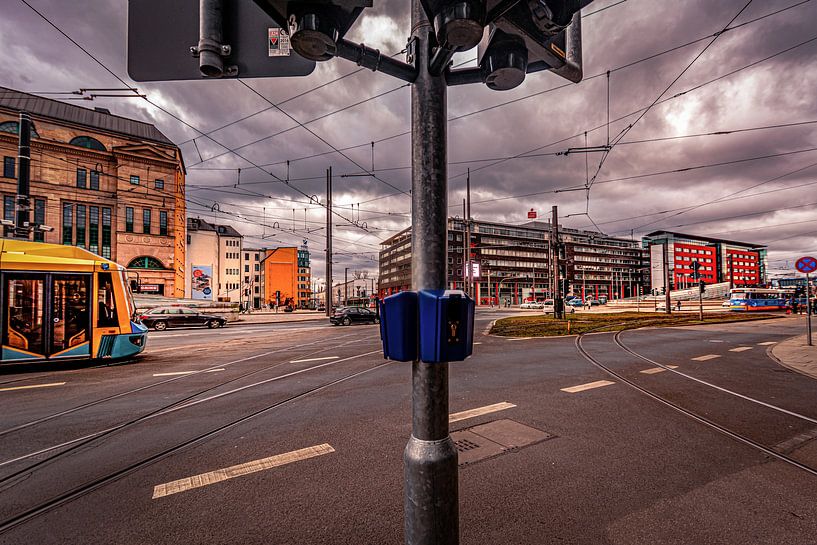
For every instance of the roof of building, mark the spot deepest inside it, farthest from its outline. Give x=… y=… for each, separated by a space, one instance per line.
x=97 y=118
x=198 y=224
x=660 y=233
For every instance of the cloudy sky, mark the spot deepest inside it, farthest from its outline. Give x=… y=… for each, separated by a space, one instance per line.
x=730 y=149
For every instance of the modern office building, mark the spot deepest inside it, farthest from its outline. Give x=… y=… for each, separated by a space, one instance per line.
x=719 y=260
x=512 y=263
x=109 y=184
x=287 y=277
x=215 y=262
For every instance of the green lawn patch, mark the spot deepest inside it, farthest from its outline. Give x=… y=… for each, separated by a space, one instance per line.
x=547 y=326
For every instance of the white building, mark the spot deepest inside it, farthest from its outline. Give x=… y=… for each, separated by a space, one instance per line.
x=253 y=275
x=213 y=262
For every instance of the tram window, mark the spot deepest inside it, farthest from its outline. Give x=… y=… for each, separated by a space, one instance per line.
x=70 y=312
x=25 y=313
x=106 y=302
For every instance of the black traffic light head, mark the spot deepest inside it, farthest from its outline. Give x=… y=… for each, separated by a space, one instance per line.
x=550 y=31
x=315 y=26
x=458 y=24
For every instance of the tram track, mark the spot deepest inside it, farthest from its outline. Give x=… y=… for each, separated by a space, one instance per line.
x=187 y=401
x=706 y=421
x=80 y=490
x=120 y=395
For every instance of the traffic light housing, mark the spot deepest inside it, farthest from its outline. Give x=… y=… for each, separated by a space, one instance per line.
x=702 y=286
x=315 y=27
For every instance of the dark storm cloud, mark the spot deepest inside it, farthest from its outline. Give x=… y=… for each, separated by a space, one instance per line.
x=776 y=91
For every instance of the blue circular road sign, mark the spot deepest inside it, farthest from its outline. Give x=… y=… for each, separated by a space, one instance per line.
x=806 y=264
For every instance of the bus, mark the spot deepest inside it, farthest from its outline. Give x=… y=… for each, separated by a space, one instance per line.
x=761 y=299
x=64 y=303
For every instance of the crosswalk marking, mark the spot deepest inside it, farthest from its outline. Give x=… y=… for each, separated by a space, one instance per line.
x=212 y=477
x=706 y=357
x=588 y=386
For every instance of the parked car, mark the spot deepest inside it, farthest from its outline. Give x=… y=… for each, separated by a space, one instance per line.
x=575 y=302
x=727 y=304
x=602 y=300
x=321 y=308
x=531 y=305
x=548 y=306
x=353 y=315
x=160 y=318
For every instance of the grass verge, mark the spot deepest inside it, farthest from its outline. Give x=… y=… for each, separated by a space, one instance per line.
x=547 y=326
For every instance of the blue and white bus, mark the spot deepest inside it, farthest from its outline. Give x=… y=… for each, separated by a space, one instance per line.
x=761 y=299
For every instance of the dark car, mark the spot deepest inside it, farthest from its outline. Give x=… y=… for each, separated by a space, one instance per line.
x=161 y=318
x=353 y=315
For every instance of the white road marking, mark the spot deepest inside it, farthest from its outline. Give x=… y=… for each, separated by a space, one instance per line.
x=715 y=341
x=478 y=343
x=740 y=349
x=706 y=357
x=315 y=359
x=655 y=370
x=31 y=386
x=520 y=339
x=177 y=373
x=588 y=386
x=767 y=343
x=479 y=411
x=212 y=477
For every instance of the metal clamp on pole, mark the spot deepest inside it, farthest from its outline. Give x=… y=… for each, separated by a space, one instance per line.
x=210 y=50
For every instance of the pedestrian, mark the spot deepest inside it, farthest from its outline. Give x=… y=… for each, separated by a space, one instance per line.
x=795 y=306
x=678 y=305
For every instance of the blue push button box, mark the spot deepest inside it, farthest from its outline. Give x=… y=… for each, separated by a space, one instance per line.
x=446 y=325
x=398 y=326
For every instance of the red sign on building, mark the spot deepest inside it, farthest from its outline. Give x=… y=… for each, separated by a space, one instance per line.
x=532 y=214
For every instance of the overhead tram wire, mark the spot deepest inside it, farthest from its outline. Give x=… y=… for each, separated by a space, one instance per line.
x=174 y=116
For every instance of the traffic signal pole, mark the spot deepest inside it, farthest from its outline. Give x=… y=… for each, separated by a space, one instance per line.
x=328 y=303
x=430 y=458
x=22 y=218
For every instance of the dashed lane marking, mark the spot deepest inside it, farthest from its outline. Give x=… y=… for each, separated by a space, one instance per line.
x=212 y=477
x=706 y=357
x=479 y=411
x=588 y=386
x=315 y=359
x=655 y=370
x=715 y=341
x=31 y=386
x=740 y=349
x=177 y=373
x=767 y=343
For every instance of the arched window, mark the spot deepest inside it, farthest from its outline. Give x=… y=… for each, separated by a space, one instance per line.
x=87 y=142
x=146 y=262
x=13 y=127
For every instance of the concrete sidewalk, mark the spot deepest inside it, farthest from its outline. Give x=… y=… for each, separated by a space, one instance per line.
x=795 y=354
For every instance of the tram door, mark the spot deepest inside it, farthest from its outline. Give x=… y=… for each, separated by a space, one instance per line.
x=45 y=316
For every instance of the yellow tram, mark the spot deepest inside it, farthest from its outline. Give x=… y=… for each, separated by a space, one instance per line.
x=63 y=302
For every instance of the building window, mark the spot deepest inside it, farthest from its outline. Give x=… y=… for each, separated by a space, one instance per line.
x=8 y=213
x=134 y=180
x=146 y=221
x=146 y=262
x=81 y=225
x=8 y=167
x=163 y=223
x=129 y=219
x=87 y=142
x=160 y=184
x=257 y=267
x=81 y=175
x=13 y=127
x=106 y=233
x=39 y=219
x=67 y=224
x=93 y=229
x=246 y=268
x=246 y=256
x=94 y=179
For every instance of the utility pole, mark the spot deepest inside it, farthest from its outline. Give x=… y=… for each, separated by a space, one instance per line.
x=329 y=241
x=470 y=289
x=430 y=457
x=465 y=250
x=22 y=223
x=554 y=244
x=346 y=287
x=667 y=298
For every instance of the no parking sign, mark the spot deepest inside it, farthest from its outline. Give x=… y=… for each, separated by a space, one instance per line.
x=806 y=264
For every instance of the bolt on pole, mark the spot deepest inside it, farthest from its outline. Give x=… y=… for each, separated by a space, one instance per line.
x=430 y=458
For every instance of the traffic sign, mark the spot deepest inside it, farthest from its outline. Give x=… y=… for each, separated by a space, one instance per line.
x=161 y=33
x=806 y=264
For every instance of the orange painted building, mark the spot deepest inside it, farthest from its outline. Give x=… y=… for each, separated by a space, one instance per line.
x=286 y=270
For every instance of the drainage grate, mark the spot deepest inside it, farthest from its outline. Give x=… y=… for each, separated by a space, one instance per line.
x=464 y=444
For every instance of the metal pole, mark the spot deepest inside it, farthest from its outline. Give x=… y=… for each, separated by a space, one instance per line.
x=554 y=243
x=211 y=62
x=700 y=304
x=431 y=503
x=667 y=298
x=329 y=241
x=22 y=218
x=808 y=310
x=470 y=289
x=346 y=286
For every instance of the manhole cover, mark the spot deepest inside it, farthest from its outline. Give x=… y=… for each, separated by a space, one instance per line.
x=494 y=438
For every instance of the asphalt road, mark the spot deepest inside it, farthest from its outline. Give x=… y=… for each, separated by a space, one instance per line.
x=293 y=433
